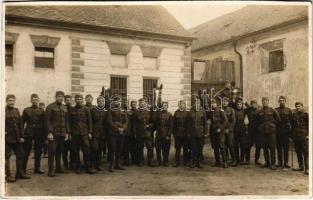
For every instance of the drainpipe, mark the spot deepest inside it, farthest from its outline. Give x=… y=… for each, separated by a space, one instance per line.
x=235 y=41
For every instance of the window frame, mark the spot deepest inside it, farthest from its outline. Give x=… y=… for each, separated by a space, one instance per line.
x=113 y=93
x=145 y=92
x=12 y=55
x=51 y=63
x=271 y=66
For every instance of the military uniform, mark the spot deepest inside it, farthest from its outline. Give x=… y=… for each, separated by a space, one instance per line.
x=218 y=122
x=163 y=136
x=283 y=134
x=13 y=133
x=229 y=136
x=116 y=119
x=197 y=130
x=143 y=127
x=129 y=140
x=99 y=135
x=267 y=120
x=80 y=126
x=242 y=138
x=180 y=131
x=67 y=154
x=256 y=137
x=300 y=131
x=33 y=117
x=57 y=124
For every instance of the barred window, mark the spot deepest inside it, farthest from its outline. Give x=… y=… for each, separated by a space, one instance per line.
x=119 y=87
x=44 y=57
x=9 y=55
x=148 y=85
x=276 y=60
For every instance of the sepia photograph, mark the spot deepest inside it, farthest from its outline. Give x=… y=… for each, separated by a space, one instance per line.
x=144 y=100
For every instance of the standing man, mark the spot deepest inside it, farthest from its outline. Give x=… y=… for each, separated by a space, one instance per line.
x=163 y=135
x=217 y=123
x=81 y=133
x=68 y=152
x=99 y=132
x=143 y=126
x=33 y=117
x=256 y=137
x=197 y=130
x=13 y=140
x=267 y=121
x=283 y=133
x=89 y=100
x=58 y=131
x=180 y=130
x=300 y=135
x=117 y=122
x=42 y=106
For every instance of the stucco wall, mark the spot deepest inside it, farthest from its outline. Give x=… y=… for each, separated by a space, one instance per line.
x=83 y=66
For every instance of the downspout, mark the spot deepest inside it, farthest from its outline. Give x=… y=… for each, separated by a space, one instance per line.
x=235 y=41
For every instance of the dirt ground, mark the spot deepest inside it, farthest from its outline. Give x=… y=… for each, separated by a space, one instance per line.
x=242 y=180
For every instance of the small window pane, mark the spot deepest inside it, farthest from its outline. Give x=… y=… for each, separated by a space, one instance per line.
x=148 y=85
x=9 y=55
x=276 y=60
x=198 y=70
x=44 y=57
x=150 y=63
x=119 y=87
x=118 y=60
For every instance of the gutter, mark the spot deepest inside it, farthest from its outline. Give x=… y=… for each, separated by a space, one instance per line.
x=235 y=42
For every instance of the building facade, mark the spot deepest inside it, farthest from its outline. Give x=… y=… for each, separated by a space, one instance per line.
x=264 y=50
x=44 y=55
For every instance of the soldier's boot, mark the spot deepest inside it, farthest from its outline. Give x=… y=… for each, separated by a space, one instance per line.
x=242 y=158
x=286 y=155
x=20 y=174
x=306 y=164
x=110 y=168
x=273 y=159
x=8 y=176
x=257 y=155
x=217 y=158
x=224 y=157
x=232 y=155
x=177 y=157
x=248 y=156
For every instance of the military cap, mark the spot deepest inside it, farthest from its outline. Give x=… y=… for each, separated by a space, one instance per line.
x=59 y=93
x=298 y=103
x=34 y=96
x=78 y=96
x=67 y=96
x=88 y=95
x=282 y=98
x=141 y=99
x=41 y=104
x=253 y=101
x=133 y=101
x=265 y=99
x=227 y=81
x=10 y=96
x=100 y=97
x=239 y=99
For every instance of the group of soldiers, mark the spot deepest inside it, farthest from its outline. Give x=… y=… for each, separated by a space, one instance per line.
x=122 y=133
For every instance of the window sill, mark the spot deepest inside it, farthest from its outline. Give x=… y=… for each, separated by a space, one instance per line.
x=40 y=69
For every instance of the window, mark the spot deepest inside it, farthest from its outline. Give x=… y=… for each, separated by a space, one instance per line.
x=276 y=60
x=9 y=55
x=44 y=57
x=118 y=60
x=119 y=87
x=150 y=63
x=148 y=85
x=199 y=67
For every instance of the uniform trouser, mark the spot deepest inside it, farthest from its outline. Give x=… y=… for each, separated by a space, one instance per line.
x=27 y=147
x=17 y=148
x=67 y=154
x=55 y=149
x=214 y=138
x=180 y=143
x=269 y=144
x=282 y=146
x=115 y=147
x=196 y=149
x=141 y=142
x=126 y=154
x=97 y=144
x=201 y=148
x=133 y=153
x=245 y=150
x=258 y=147
x=81 y=142
x=229 y=142
x=302 y=151
x=162 y=149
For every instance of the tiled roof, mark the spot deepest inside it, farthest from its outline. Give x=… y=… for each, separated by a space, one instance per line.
x=144 y=18
x=244 y=21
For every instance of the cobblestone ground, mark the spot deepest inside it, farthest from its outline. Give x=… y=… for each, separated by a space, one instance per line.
x=242 y=180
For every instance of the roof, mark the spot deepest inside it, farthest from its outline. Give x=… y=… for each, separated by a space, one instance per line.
x=244 y=21
x=144 y=18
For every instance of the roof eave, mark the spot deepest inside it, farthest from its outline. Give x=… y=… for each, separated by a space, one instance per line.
x=236 y=38
x=18 y=20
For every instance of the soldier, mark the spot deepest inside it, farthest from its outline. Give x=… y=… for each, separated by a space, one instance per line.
x=42 y=106
x=267 y=120
x=58 y=132
x=163 y=135
x=197 y=130
x=142 y=130
x=117 y=122
x=217 y=123
x=89 y=100
x=129 y=140
x=33 y=117
x=256 y=137
x=242 y=137
x=300 y=131
x=180 y=129
x=99 y=132
x=13 y=140
x=68 y=152
x=81 y=133
x=229 y=129
x=226 y=91
x=283 y=133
